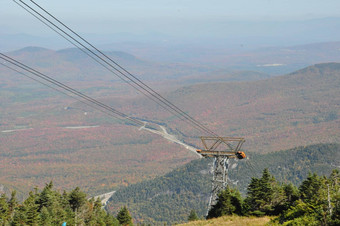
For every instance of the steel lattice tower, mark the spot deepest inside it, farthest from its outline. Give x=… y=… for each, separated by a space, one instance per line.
x=221 y=149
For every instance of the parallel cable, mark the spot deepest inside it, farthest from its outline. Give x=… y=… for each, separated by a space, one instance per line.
x=69 y=89
x=119 y=66
x=152 y=92
x=78 y=47
x=96 y=59
x=60 y=91
x=157 y=97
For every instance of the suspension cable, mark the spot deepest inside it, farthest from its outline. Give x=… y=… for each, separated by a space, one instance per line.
x=156 y=97
x=60 y=91
x=69 y=89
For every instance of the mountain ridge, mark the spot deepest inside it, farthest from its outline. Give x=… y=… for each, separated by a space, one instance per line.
x=305 y=103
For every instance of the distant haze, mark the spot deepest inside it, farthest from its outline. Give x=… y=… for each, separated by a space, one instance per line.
x=187 y=24
x=166 y=16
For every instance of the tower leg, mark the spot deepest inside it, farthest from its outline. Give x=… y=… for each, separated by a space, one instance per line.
x=220 y=177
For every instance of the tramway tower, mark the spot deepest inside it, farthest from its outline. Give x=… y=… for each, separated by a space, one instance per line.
x=221 y=149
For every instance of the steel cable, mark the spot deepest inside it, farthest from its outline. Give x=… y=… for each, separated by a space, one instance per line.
x=158 y=98
x=60 y=91
x=69 y=89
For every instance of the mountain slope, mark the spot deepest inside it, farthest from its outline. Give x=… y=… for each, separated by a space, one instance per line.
x=37 y=145
x=301 y=108
x=171 y=197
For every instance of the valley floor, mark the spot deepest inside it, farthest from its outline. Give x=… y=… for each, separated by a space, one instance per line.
x=231 y=220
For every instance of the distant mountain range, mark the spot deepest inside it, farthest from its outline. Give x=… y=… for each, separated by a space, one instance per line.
x=272 y=47
x=192 y=62
x=74 y=65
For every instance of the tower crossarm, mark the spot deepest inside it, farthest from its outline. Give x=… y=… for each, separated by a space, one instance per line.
x=207 y=153
x=212 y=143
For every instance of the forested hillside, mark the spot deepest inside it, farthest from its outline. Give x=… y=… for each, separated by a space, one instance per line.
x=300 y=108
x=46 y=136
x=171 y=197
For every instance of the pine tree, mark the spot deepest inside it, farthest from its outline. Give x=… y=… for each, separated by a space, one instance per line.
x=266 y=192
x=77 y=198
x=124 y=217
x=111 y=220
x=4 y=209
x=228 y=202
x=265 y=195
x=32 y=214
x=45 y=217
x=19 y=217
x=310 y=189
x=12 y=204
x=291 y=194
x=65 y=205
x=317 y=195
x=253 y=195
x=334 y=198
x=46 y=198
x=193 y=216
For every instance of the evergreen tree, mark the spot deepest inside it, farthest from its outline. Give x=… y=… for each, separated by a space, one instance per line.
x=47 y=197
x=228 y=202
x=266 y=192
x=253 y=196
x=32 y=214
x=237 y=201
x=12 y=204
x=93 y=213
x=111 y=220
x=19 y=217
x=124 y=217
x=291 y=194
x=265 y=195
x=334 y=189
x=77 y=199
x=314 y=206
x=65 y=205
x=45 y=217
x=193 y=216
x=4 y=209
x=310 y=189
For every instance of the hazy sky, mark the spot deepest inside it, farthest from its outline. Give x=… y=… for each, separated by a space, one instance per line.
x=164 y=16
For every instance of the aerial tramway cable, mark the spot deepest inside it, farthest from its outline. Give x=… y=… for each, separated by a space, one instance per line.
x=104 y=60
x=85 y=99
x=67 y=94
x=119 y=71
x=181 y=112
